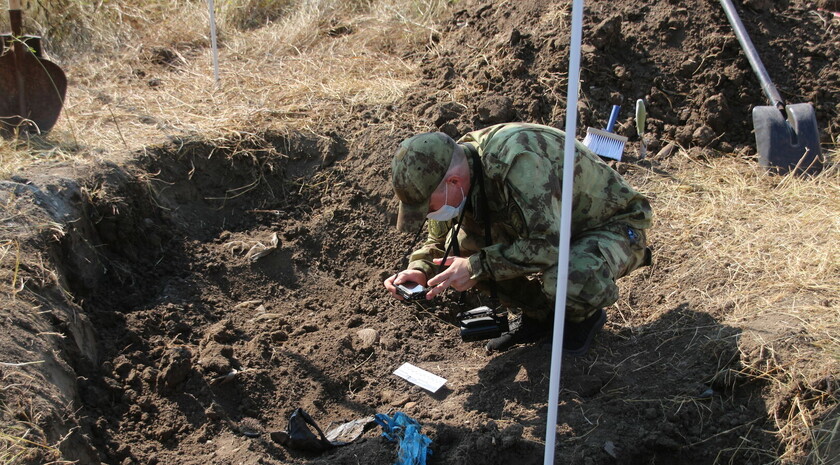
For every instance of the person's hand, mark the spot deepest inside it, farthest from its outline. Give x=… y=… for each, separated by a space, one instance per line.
x=456 y=276
x=414 y=276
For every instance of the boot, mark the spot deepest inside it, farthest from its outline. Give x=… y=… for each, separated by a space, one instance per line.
x=577 y=337
x=528 y=330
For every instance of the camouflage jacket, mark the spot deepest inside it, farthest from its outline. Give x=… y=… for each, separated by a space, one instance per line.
x=523 y=172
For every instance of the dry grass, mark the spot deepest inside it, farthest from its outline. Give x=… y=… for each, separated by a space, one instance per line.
x=152 y=77
x=773 y=235
x=21 y=438
x=759 y=253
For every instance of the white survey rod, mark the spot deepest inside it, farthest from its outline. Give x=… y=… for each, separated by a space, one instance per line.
x=565 y=231
x=211 y=9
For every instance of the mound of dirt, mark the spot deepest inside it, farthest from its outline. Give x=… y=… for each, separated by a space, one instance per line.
x=498 y=62
x=192 y=300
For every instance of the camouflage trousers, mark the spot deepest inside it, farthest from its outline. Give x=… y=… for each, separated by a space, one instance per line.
x=596 y=260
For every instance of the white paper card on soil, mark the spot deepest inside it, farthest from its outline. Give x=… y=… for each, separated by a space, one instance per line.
x=420 y=377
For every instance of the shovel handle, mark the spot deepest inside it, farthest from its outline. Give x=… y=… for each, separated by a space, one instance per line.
x=15 y=17
x=16 y=20
x=752 y=55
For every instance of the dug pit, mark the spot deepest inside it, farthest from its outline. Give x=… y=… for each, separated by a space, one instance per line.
x=207 y=290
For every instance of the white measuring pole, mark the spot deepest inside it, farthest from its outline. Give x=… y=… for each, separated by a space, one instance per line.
x=212 y=10
x=565 y=231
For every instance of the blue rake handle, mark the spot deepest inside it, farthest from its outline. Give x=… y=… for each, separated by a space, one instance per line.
x=613 y=118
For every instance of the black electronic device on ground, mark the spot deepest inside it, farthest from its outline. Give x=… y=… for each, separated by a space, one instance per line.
x=482 y=323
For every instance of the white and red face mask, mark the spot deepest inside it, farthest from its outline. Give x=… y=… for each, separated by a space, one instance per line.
x=447 y=212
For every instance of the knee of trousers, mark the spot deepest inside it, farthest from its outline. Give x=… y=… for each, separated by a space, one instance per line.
x=590 y=286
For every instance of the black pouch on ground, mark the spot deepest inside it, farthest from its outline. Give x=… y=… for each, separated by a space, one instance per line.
x=299 y=436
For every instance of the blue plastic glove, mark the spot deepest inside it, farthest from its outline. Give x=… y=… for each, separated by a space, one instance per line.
x=414 y=446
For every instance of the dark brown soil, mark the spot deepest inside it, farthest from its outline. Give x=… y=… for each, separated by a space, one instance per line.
x=170 y=335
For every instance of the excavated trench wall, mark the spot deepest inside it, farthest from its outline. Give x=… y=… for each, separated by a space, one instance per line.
x=105 y=239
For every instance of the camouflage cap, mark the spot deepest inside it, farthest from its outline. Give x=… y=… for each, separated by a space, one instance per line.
x=418 y=167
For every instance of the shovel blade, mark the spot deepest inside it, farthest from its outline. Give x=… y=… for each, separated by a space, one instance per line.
x=788 y=144
x=44 y=88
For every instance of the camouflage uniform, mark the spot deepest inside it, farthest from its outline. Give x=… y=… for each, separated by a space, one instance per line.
x=523 y=171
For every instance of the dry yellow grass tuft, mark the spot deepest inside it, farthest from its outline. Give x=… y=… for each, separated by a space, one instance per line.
x=759 y=253
x=773 y=235
x=152 y=77
x=21 y=437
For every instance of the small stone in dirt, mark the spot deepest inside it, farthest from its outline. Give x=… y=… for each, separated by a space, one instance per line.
x=409 y=405
x=687 y=68
x=368 y=336
x=609 y=448
x=522 y=376
x=279 y=336
x=310 y=328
